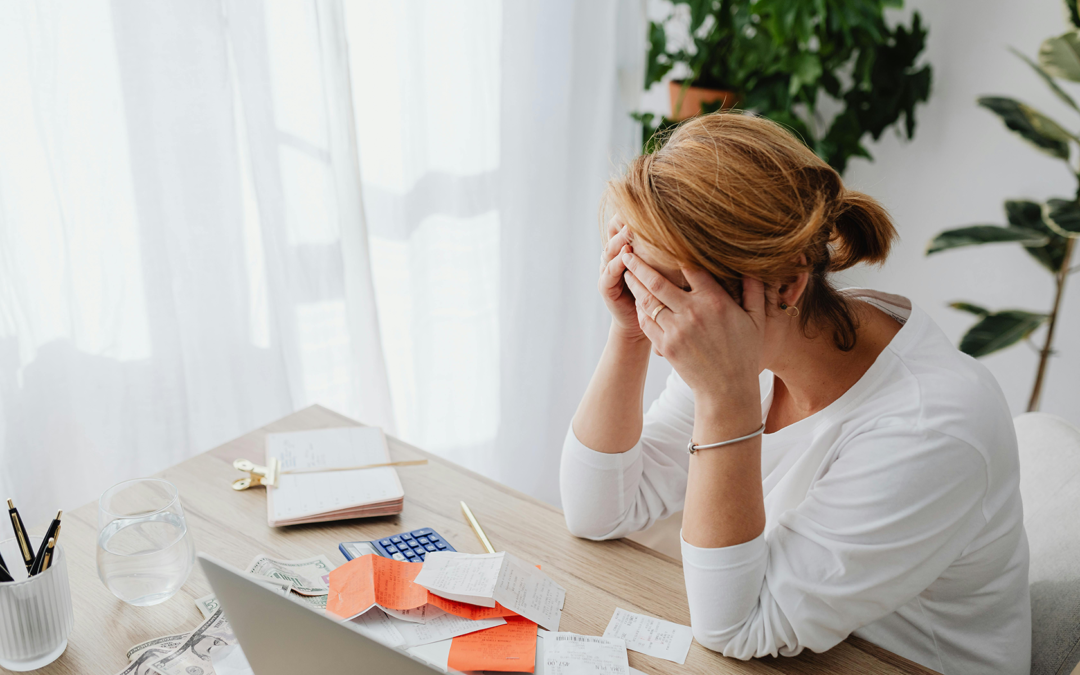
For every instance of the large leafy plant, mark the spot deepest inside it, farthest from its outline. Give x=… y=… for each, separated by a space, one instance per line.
x=783 y=58
x=1048 y=231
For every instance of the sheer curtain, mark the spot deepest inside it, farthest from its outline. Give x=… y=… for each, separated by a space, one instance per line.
x=215 y=212
x=182 y=252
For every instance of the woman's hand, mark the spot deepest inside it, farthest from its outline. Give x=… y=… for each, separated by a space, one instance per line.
x=712 y=342
x=613 y=288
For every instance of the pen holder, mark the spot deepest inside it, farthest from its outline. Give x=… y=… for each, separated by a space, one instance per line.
x=36 y=616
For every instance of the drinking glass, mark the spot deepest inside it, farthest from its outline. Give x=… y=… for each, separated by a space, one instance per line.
x=144 y=550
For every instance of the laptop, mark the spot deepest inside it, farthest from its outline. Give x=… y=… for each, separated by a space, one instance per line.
x=282 y=636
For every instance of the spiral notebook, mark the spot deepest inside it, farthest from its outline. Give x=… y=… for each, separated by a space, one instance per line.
x=332 y=495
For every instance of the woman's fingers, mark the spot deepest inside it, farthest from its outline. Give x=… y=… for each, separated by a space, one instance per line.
x=611 y=272
x=753 y=299
x=618 y=240
x=648 y=305
x=654 y=282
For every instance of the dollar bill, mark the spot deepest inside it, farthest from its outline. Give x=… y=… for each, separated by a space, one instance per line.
x=142 y=662
x=208 y=604
x=306 y=576
x=165 y=642
x=193 y=656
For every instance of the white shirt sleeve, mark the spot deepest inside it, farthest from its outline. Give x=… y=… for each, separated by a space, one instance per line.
x=606 y=496
x=894 y=510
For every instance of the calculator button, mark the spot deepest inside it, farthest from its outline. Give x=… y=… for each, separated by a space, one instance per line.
x=384 y=542
x=409 y=553
x=390 y=548
x=398 y=556
x=429 y=547
x=440 y=545
x=433 y=537
x=396 y=540
x=406 y=536
x=422 y=540
x=421 y=556
x=424 y=531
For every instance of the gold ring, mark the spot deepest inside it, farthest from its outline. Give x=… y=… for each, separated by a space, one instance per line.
x=656 y=312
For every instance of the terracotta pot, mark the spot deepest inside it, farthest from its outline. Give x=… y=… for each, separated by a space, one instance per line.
x=694 y=98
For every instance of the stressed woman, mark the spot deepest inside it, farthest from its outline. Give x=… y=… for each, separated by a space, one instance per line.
x=840 y=466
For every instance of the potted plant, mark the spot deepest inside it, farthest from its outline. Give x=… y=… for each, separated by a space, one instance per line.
x=1048 y=231
x=780 y=58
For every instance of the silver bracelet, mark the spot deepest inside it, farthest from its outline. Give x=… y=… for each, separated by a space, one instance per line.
x=691 y=448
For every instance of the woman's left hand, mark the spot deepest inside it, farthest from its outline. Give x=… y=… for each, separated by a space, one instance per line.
x=712 y=342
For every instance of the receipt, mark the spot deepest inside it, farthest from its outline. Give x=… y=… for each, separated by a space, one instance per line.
x=651 y=636
x=441 y=627
x=379 y=627
x=570 y=654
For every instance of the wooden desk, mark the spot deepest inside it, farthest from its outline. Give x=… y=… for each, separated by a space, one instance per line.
x=598 y=576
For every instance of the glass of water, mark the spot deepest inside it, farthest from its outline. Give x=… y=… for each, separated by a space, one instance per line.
x=144 y=550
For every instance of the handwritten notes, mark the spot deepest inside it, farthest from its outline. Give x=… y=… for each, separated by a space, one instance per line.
x=508 y=648
x=442 y=627
x=379 y=627
x=651 y=636
x=570 y=654
x=494 y=579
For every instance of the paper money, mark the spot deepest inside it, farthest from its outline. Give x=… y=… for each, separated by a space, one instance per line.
x=143 y=660
x=306 y=576
x=165 y=642
x=193 y=656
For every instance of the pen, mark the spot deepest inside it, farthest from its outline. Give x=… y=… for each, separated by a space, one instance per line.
x=476 y=528
x=52 y=533
x=4 y=574
x=25 y=549
x=48 y=554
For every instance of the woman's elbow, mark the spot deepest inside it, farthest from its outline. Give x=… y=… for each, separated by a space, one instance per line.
x=585 y=528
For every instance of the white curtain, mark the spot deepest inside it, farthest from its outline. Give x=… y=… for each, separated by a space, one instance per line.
x=183 y=248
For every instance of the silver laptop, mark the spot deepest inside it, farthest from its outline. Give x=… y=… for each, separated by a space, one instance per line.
x=282 y=636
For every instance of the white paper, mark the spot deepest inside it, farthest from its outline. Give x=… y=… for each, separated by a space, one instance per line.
x=442 y=627
x=571 y=654
x=436 y=654
x=421 y=614
x=462 y=576
x=529 y=592
x=376 y=625
x=495 y=577
x=230 y=661
x=652 y=636
x=310 y=494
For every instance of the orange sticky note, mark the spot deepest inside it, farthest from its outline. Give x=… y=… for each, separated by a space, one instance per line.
x=507 y=648
x=352 y=588
x=467 y=611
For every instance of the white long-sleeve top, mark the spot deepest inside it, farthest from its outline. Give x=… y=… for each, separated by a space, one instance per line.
x=893 y=514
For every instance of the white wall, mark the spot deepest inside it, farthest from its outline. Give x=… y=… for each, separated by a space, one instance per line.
x=959 y=169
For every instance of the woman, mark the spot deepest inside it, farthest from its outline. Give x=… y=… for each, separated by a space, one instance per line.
x=863 y=473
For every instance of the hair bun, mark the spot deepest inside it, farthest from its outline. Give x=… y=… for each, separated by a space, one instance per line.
x=862 y=232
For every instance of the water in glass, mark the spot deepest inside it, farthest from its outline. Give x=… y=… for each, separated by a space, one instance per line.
x=144 y=554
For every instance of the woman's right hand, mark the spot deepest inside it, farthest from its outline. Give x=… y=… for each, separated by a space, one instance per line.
x=613 y=289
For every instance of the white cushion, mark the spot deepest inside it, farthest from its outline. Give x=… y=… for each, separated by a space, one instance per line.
x=1050 y=487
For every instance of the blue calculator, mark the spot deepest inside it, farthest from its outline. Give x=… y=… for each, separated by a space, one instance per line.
x=408 y=546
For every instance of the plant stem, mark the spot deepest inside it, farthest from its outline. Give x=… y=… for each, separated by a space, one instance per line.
x=1044 y=354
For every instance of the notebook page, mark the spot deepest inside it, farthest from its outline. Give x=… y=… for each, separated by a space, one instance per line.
x=303 y=495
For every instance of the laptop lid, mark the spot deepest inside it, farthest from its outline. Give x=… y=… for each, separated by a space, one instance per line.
x=283 y=636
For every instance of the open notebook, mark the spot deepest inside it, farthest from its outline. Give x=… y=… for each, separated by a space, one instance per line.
x=333 y=495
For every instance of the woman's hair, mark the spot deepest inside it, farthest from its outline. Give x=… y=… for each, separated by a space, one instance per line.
x=739 y=195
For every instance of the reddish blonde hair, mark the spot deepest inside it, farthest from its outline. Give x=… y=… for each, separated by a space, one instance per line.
x=739 y=195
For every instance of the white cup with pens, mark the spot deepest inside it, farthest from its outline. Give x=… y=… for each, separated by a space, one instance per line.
x=35 y=597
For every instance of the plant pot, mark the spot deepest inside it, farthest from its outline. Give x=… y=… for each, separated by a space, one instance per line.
x=694 y=98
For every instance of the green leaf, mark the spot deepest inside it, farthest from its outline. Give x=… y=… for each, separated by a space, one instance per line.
x=1063 y=216
x=998 y=330
x=1034 y=127
x=1072 y=13
x=1058 y=91
x=985 y=234
x=1029 y=215
x=970 y=308
x=1060 y=56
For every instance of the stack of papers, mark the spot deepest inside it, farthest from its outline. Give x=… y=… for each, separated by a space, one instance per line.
x=331 y=495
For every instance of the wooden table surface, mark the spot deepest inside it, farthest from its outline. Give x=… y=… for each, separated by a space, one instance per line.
x=598 y=576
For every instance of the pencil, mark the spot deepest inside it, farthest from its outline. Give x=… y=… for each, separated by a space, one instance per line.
x=21 y=536
x=476 y=528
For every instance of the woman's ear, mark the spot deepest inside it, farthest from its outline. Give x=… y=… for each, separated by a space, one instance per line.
x=791 y=292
